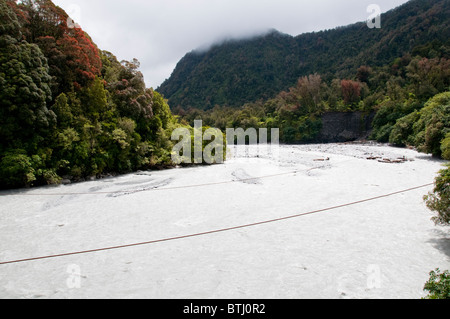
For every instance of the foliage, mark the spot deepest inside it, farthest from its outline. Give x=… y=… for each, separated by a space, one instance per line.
x=69 y=110
x=445 y=147
x=395 y=80
x=129 y=93
x=24 y=90
x=16 y=169
x=427 y=128
x=351 y=92
x=431 y=129
x=439 y=200
x=237 y=72
x=73 y=58
x=438 y=286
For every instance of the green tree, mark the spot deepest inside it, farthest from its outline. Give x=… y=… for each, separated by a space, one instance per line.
x=129 y=93
x=62 y=111
x=95 y=101
x=439 y=200
x=9 y=23
x=16 y=169
x=24 y=87
x=438 y=287
x=402 y=132
x=445 y=147
x=434 y=124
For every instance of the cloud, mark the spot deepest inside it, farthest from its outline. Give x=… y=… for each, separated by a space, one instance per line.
x=160 y=32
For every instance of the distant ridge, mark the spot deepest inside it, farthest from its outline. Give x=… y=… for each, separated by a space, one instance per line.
x=237 y=72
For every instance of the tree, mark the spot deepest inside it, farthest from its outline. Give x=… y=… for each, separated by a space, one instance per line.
x=9 y=23
x=43 y=18
x=110 y=67
x=438 y=286
x=363 y=73
x=73 y=58
x=24 y=87
x=95 y=101
x=433 y=125
x=351 y=92
x=445 y=147
x=439 y=201
x=308 y=89
x=428 y=77
x=82 y=57
x=62 y=111
x=402 y=131
x=131 y=97
x=16 y=169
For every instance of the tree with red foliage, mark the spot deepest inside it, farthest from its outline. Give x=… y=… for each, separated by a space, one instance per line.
x=73 y=58
x=81 y=56
x=351 y=92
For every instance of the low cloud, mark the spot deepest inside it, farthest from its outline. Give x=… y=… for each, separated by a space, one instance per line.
x=160 y=32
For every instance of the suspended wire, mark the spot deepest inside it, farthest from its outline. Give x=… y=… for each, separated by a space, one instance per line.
x=239 y=180
x=215 y=231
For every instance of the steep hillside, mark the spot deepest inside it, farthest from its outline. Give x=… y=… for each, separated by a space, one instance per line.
x=68 y=110
x=241 y=71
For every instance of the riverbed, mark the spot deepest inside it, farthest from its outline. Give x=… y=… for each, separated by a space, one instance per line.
x=308 y=221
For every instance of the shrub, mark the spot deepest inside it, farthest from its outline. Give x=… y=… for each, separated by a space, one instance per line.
x=403 y=129
x=439 y=285
x=434 y=124
x=445 y=147
x=16 y=169
x=439 y=201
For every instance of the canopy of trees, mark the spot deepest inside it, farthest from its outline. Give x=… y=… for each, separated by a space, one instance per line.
x=408 y=111
x=67 y=109
x=237 y=72
x=70 y=110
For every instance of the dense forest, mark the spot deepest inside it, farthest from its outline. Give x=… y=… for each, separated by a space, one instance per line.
x=399 y=74
x=71 y=111
x=410 y=98
x=68 y=110
x=240 y=71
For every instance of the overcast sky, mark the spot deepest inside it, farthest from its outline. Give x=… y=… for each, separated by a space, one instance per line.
x=160 y=32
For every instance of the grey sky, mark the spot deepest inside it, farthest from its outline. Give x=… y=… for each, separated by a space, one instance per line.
x=160 y=32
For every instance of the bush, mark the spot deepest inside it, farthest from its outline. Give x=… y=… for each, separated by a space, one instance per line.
x=439 y=285
x=434 y=124
x=16 y=169
x=403 y=129
x=445 y=147
x=428 y=129
x=439 y=201
x=388 y=115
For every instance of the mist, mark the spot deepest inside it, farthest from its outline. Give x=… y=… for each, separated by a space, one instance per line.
x=159 y=33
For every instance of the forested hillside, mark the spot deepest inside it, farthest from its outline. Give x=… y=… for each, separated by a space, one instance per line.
x=69 y=110
x=398 y=75
x=241 y=71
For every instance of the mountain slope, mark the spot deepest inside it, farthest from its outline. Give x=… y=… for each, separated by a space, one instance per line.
x=241 y=71
x=68 y=110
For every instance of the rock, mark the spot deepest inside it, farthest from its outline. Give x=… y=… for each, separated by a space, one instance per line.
x=341 y=127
